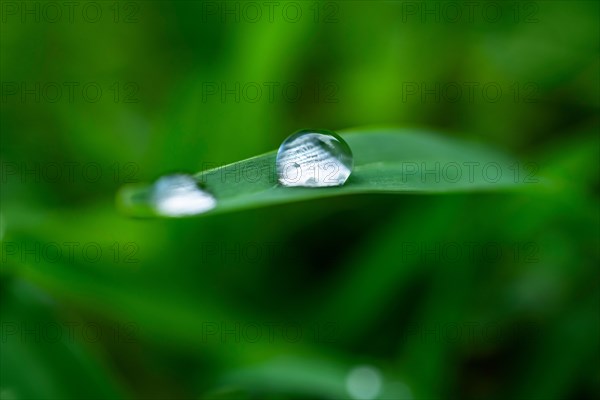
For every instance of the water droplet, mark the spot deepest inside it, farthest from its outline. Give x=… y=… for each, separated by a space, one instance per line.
x=179 y=195
x=364 y=382
x=176 y=195
x=314 y=158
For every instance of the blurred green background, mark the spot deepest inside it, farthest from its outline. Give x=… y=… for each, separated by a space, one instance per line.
x=471 y=296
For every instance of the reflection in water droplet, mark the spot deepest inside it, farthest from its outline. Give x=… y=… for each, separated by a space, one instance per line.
x=363 y=382
x=179 y=195
x=314 y=158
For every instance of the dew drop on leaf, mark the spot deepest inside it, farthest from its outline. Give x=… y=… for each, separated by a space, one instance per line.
x=314 y=158
x=179 y=195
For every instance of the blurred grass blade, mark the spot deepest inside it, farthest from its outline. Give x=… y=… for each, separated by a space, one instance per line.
x=38 y=346
x=386 y=161
x=319 y=378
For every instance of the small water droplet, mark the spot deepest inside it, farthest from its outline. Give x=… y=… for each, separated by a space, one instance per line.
x=314 y=158
x=176 y=195
x=179 y=195
x=364 y=382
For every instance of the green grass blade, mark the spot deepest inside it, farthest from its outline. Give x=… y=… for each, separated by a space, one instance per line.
x=386 y=161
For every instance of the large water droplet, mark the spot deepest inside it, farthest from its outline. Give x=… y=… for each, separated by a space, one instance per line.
x=179 y=195
x=314 y=158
